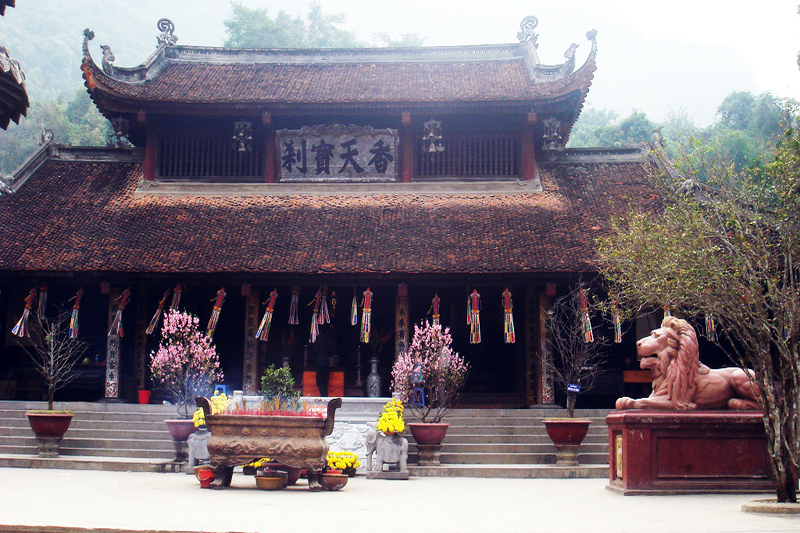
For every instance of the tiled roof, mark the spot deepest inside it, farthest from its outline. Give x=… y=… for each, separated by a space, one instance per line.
x=78 y=216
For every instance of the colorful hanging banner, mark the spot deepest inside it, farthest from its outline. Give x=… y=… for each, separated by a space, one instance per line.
x=157 y=316
x=354 y=309
x=42 y=309
x=509 y=336
x=711 y=327
x=21 y=328
x=615 y=319
x=667 y=311
x=263 y=329
x=588 y=335
x=293 y=305
x=212 y=322
x=176 y=296
x=434 y=310
x=73 y=320
x=312 y=337
x=116 y=324
x=366 y=316
x=324 y=316
x=474 y=317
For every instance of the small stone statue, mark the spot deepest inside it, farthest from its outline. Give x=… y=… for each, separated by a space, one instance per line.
x=386 y=449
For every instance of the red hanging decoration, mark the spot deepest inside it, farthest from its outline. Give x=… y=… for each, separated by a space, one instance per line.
x=474 y=317
x=354 y=310
x=711 y=327
x=509 y=336
x=116 y=324
x=588 y=335
x=156 y=317
x=293 y=305
x=434 y=310
x=42 y=309
x=312 y=337
x=73 y=320
x=263 y=329
x=212 y=322
x=176 y=296
x=21 y=328
x=366 y=316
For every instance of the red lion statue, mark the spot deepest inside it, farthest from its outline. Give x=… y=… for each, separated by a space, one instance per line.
x=681 y=381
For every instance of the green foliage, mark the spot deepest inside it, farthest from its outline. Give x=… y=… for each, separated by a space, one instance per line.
x=278 y=383
x=254 y=28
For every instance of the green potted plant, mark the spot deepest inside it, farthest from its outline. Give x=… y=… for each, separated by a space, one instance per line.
x=277 y=384
x=53 y=353
x=429 y=377
x=573 y=361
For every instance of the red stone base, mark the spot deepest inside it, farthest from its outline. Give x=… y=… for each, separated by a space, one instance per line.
x=668 y=452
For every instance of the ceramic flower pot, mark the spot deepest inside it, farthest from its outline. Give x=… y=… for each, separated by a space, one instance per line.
x=567 y=435
x=204 y=475
x=430 y=434
x=331 y=481
x=273 y=480
x=49 y=428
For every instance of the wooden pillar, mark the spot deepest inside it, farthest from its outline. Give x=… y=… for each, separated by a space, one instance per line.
x=401 y=320
x=141 y=338
x=270 y=151
x=112 y=348
x=150 y=147
x=528 y=149
x=250 y=377
x=406 y=149
x=538 y=383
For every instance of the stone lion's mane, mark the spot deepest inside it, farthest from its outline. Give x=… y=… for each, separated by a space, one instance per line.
x=684 y=360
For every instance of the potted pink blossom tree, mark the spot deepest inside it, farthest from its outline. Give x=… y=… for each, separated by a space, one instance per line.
x=429 y=376
x=185 y=366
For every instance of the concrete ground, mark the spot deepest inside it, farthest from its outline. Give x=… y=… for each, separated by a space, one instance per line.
x=56 y=500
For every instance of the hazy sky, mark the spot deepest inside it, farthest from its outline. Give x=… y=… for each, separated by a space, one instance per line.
x=654 y=56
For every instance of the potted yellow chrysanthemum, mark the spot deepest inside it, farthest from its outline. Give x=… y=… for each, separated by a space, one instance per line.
x=347 y=462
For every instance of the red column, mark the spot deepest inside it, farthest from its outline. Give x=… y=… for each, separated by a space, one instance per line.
x=528 y=150
x=150 y=146
x=406 y=150
x=270 y=171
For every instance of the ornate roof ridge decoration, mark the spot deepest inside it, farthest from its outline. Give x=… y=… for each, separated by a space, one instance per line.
x=4 y=4
x=14 y=101
x=169 y=52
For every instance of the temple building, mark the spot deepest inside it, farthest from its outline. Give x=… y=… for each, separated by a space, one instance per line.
x=339 y=196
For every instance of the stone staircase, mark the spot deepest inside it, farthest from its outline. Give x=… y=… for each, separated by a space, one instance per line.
x=132 y=437
x=513 y=443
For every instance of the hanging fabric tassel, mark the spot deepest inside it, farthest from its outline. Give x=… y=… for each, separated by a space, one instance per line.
x=354 y=310
x=21 y=328
x=312 y=337
x=474 y=317
x=116 y=324
x=434 y=310
x=42 y=309
x=615 y=319
x=156 y=317
x=176 y=296
x=324 y=317
x=588 y=335
x=366 y=316
x=711 y=327
x=667 y=312
x=73 y=320
x=293 y=305
x=334 y=303
x=263 y=329
x=212 y=322
x=509 y=336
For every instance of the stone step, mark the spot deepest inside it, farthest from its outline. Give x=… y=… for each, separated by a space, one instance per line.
x=511 y=471
x=517 y=448
x=488 y=458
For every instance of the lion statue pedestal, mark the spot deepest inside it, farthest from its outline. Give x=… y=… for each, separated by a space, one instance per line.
x=700 y=431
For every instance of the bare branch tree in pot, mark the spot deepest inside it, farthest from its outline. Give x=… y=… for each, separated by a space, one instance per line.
x=574 y=362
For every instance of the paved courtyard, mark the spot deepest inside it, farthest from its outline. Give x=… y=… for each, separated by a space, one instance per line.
x=175 y=502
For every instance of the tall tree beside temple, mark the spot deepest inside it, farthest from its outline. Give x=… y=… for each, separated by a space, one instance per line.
x=727 y=243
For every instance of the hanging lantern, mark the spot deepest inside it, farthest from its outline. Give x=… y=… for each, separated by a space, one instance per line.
x=42 y=309
x=315 y=317
x=157 y=316
x=263 y=329
x=73 y=320
x=212 y=322
x=509 y=336
x=366 y=315
x=293 y=305
x=21 y=328
x=354 y=310
x=711 y=327
x=588 y=335
x=474 y=317
x=176 y=296
x=324 y=316
x=615 y=319
x=116 y=324
x=434 y=310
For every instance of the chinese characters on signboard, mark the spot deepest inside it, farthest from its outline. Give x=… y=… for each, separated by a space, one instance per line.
x=337 y=152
